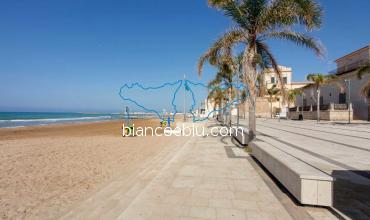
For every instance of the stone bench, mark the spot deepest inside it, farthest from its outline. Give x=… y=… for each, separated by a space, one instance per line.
x=241 y=135
x=307 y=184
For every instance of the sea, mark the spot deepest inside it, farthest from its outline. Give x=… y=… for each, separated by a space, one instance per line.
x=22 y=119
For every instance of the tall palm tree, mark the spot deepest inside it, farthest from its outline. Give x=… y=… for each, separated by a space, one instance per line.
x=318 y=80
x=272 y=93
x=225 y=77
x=255 y=22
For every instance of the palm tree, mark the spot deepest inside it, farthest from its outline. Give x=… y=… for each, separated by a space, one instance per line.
x=217 y=95
x=255 y=22
x=272 y=92
x=224 y=77
x=292 y=95
x=318 y=80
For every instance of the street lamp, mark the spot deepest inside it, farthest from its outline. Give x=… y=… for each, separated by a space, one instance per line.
x=238 y=98
x=184 y=99
x=349 y=99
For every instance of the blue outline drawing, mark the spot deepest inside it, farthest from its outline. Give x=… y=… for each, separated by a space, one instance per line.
x=223 y=86
x=149 y=88
x=186 y=84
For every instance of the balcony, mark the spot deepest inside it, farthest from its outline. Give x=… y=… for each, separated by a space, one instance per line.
x=349 y=68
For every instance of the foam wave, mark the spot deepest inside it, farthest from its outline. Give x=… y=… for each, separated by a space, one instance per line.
x=57 y=119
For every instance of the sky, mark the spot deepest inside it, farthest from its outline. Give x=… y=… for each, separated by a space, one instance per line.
x=74 y=55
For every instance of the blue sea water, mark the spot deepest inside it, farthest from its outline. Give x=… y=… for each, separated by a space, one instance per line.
x=20 y=119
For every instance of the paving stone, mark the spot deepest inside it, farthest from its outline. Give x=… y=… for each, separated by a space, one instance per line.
x=245 y=205
x=227 y=214
x=220 y=203
x=203 y=212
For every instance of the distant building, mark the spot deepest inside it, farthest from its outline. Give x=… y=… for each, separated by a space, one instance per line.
x=337 y=92
x=263 y=106
x=271 y=78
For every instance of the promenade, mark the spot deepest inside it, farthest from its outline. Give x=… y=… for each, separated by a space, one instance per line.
x=205 y=178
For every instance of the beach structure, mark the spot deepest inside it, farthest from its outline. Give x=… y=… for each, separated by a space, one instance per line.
x=343 y=98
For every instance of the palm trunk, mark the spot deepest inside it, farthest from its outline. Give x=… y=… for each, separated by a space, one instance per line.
x=231 y=103
x=318 y=105
x=250 y=73
x=244 y=109
x=252 y=118
x=270 y=106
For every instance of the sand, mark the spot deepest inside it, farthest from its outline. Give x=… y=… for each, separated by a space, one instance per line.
x=47 y=170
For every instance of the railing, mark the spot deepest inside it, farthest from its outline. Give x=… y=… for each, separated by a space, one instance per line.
x=326 y=107
x=340 y=107
x=307 y=108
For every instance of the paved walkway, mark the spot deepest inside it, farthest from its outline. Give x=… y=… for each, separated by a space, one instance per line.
x=201 y=182
x=338 y=149
x=207 y=178
x=210 y=178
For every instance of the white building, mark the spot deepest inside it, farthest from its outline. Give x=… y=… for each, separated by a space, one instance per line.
x=338 y=92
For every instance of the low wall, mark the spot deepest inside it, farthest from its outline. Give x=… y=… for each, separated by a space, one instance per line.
x=332 y=115
x=310 y=186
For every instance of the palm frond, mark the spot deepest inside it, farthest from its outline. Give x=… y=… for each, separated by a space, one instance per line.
x=233 y=10
x=299 y=39
x=218 y=3
x=262 y=48
x=309 y=13
x=252 y=10
x=318 y=78
x=264 y=51
x=366 y=90
x=224 y=43
x=292 y=94
x=285 y=13
x=365 y=69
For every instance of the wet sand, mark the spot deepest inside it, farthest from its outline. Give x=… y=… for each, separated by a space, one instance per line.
x=47 y=170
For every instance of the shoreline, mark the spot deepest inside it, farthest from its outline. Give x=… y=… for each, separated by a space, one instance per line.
x=63 y=123
x=25 y=119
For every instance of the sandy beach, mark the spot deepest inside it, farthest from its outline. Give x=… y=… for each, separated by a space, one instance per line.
x=47 y=170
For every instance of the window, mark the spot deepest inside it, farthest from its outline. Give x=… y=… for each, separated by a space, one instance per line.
x=321 y=100
x=285 y=79
x=272 y=80
x=304 y=102
x=342 y=98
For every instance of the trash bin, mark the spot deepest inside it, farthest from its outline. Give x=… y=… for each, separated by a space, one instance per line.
x=300 y=117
